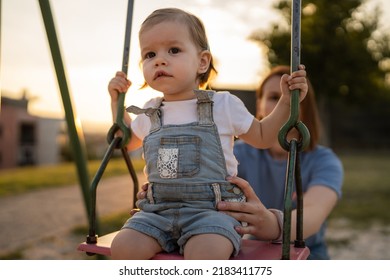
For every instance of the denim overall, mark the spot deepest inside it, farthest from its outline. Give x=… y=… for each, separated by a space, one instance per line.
x=186 y=172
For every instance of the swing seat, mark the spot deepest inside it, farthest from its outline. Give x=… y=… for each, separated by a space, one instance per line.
x=250 y=250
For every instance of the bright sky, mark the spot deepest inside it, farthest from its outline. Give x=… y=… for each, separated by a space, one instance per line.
x=91 y=37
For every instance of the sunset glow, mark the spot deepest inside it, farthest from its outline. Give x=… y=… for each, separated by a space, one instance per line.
x=91 y=35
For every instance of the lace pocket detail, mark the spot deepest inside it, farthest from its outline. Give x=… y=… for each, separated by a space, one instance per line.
x=167 y=162
x=178 y=157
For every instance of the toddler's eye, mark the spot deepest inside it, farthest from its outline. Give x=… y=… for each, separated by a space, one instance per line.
x=174 y=50
x=149 y=55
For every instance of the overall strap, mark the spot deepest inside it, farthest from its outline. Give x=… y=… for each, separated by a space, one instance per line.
x=205 y=106
x=154 y=113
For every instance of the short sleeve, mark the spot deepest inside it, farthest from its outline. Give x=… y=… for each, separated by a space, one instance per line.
x=232 y=114
x=325 y=169
x=140 y=125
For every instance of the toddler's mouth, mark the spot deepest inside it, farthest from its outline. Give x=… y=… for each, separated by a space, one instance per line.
x=160 y=74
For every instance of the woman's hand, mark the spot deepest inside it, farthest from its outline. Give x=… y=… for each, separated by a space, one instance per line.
x=140 y=195
x=261 y=222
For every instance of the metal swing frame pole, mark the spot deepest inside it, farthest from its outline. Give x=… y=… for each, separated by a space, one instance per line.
x=293 y=174
x=115 y=142
x=75 y=133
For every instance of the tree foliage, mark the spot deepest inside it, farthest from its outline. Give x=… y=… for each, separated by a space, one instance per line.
x=347 y=57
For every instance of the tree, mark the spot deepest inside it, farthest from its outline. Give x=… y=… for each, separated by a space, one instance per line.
x=347 y=57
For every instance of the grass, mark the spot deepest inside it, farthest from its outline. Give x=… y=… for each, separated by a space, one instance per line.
x=21 y=180
x=366 y=189
x=107 y=224
x=17 y=255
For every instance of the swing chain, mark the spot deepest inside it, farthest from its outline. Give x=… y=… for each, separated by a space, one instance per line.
x=119 y=125
x=114 y=140
x=293 y=174
x=293 y=121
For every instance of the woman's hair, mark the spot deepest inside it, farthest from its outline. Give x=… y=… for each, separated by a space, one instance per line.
x=195 y=28
x=308 y=107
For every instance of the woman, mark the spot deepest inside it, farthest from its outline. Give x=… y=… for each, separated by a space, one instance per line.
x=264 y=172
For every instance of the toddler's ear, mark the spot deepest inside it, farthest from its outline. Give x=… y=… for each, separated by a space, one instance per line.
x=204 y=62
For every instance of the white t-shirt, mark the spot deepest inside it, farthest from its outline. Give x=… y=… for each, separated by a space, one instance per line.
x=230 y=115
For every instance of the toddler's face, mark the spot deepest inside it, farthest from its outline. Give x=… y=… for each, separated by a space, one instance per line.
x=170 y=59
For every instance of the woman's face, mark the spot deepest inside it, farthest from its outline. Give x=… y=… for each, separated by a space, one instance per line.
x=270 y=97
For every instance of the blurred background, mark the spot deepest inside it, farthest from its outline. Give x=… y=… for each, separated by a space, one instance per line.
x=345 y=47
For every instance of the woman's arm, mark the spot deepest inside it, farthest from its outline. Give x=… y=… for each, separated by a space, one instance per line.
x=318 y=202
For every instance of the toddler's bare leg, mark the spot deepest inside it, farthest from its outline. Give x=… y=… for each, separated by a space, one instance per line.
x=208 y=247
x=130 y=244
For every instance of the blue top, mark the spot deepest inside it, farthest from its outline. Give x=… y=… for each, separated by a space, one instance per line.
x=267 y=177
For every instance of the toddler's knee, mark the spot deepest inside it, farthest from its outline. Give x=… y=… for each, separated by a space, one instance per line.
x=117 y=249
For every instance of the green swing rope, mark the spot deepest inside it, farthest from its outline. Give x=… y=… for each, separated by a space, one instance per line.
x=294 y=146
x=115 y=142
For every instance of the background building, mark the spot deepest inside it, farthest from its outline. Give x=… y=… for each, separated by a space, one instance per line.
x=27 y=139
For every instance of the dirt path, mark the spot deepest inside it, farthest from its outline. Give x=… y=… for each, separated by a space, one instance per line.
x=47 y=214
x=347 y=243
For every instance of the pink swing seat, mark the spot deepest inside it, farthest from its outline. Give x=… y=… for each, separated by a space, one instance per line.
x=250 y=250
